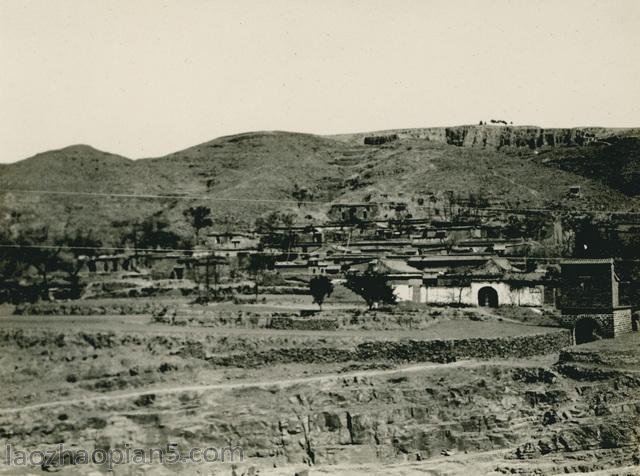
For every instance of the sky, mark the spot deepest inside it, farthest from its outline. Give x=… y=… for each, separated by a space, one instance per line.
x=146 y=78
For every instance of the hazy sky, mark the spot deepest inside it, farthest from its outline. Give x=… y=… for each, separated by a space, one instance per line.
x=145 y=78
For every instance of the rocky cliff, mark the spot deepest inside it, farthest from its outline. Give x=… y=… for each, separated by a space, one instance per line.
x=498 y=136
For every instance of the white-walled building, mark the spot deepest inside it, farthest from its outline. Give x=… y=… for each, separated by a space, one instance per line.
x=495 y=283
x=485 y=293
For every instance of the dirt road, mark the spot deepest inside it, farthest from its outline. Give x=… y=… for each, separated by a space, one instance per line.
x=266 y=384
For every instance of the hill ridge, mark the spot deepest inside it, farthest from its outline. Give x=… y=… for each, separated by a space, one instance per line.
x=277 y=165
x=429 y=133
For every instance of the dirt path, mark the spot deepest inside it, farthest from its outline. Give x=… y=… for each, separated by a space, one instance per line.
x=532 y=191
x=472 y=463
x=488 y=312
x=263 y=384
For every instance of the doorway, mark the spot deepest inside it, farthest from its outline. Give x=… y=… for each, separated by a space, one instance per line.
x=488 y=297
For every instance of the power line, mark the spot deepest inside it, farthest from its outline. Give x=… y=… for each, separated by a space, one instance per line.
x=533 y=258
x=104 y=248
x=192 y=250
x=515 y=210
x=206 y=197
x=264 y=200
x=151 y=196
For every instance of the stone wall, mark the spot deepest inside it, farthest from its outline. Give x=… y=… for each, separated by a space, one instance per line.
x=203 y=316
x=405 y=351
x=449 y=350
x=603 y=320
x=80 y=308
x=612 y=324
x=621 y=321
x=306 y=323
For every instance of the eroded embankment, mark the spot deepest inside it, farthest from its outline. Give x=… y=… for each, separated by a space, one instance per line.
x=548 y=423
x=547 y=419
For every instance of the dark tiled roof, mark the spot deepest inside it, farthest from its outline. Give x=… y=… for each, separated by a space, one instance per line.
x=440 y=258
x=588 y=261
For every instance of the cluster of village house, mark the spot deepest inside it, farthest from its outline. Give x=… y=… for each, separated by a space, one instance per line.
x=469 y=264
x=447 y=264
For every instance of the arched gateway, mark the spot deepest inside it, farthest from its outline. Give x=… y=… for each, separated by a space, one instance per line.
x=487 y=296
x=586 y=330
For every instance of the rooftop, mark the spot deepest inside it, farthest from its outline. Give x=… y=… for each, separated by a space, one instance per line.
x=397 y=266
x=446 y=258
x=588 y=261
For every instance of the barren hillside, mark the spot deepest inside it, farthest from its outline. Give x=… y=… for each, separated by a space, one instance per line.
x=243 y=176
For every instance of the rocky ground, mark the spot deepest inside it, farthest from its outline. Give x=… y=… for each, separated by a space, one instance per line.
x=104 y=385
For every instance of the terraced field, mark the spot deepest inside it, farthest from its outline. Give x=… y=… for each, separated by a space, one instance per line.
x=457 y=396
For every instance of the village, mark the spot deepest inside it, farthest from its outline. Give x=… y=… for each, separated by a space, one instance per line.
x=457 y=253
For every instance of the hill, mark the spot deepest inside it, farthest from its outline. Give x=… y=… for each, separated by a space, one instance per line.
x=244 y=176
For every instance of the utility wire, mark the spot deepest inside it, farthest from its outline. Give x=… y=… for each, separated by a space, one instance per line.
x=263 y=200
x=147 y=196
x=192 y=250
x=102 y=248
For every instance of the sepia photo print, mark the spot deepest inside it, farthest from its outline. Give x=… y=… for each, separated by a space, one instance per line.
x=306 y=238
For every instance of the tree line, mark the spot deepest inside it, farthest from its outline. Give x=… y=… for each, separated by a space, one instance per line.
x=35 y=257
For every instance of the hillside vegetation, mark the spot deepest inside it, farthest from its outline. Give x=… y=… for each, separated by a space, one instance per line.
x=253 y=173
